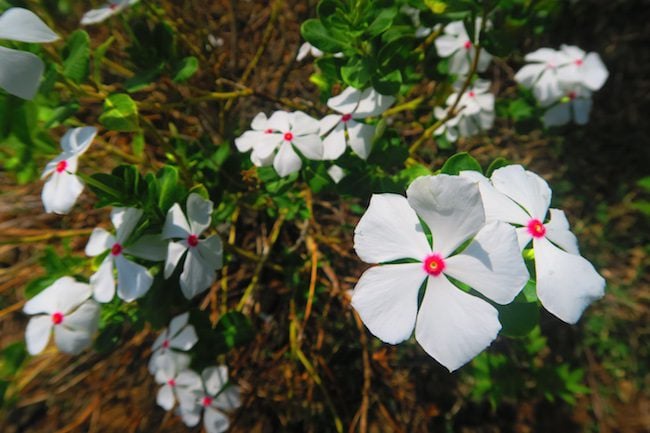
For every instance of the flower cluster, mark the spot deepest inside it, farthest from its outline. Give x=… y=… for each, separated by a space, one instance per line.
x=456 y=45
x=563 y=82
x=477 y=230
x=281 y=139
x=210 y=393
x=475 y=112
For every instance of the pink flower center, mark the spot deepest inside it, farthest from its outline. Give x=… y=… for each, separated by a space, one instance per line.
x=207 y=401
x=61 y=166
x=116 y=249
x=551 y=65
x=536 y=228
x=572 y=95
x=268 y=131
x=192 y=240
x=346 y=118
x=288 y=136
x=57 y=318
x=171 y=382
x=434 y=265
x=578 y=62
x=471 y=94
x=467 y=45
x=165 y=344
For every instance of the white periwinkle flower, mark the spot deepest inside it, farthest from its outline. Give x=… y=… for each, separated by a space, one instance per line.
x=352 y=104
x=306 y=49
x=456 y=44
x=451 y=325
x=566 y=282
x=574 y=105
x=284 y=132
x=474 y=112
x=21 y=72
x=584 y=69
x=65 y=307
x=202 y=256
x=168 y=374
x=213 y=396
x=63 y=188
x=179 y=337
x=543 y=74
x=107 y=10
x=133 y=280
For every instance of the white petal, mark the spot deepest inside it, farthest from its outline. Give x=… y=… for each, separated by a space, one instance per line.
x=125 y=220
x=303 y=51
x=557 y=115
x=303 y=124
x=211 y=250
x=346 y=101
x=311 y=146
x=451 y=206
x=542 y=55
x=259 y=122
x=100 y=241
x=149 y=247
x=229 y=399
x=197 y=276
x=77 y=140
x=175 y=251
x=214 y=421
x=185 y=340
x=248 y=140
x=199 y=213
x=133 y=280
x=20 y=72
x=190 y=414
x=336 y=173
x=547 y=89
x=85 y=318
x=390 y=230
x=18 y=24
x=75 y=332
x=483 y=61
x=328 y=122
x=176 y=225
x=446 y=45
x=581 y=110
x=453 y=326
x=286 y=161
x=37 y=334
x=103 y=281
x=334 y=143
x=165 y=397
x=51 y=166
x=177 y=323
x=459 y=62
x=360 y=138
x=60 y=192
x=523 y=237
x=566 y=283
x=372 y=103
x=557 y=231
x=492 y=263
x=386 y=298
x=279 y=121
x=190 y=380
x=64 y=295
x=165 y=368
x=595 y=71
x=267 y=145
x=525 y=188
x=528 y=74
x=215 y=378
x=98 y=15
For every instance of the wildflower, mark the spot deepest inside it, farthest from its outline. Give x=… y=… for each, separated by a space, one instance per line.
x=452 y=325
x=179 y=336
x=284 y=132
x=204 y=256
x=574 y=105
x=352 y=104
x=474 y=112
x=21 y=72
x=107 y=10
x=213 y=398
x=63 y=188
x=306 y=49
x=586 y=70
x=248 y=140
x=544 y=73
x=133 y=280
x=456 y=44
x=64 y=307
x=566 y=282
x=167 y=374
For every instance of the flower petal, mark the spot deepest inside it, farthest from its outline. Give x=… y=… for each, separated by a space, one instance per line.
x=149 y=247
x=557 y=115
x=286 y=161
x=60 y=192
x=125 y=220
x=386 y=298
x=133 y=280
x=524 y=187
x=451 y=207
x=303 y=124
x=279 y=121
x=372 y=103
x=20 y=72
x=197 y=276
x=390 y=230
x=446 y=45
x=528 y=74
x=177 y=323
x=328 y=122
x=199 y=213
x=248 y=140
x=100 y=241
x=165 y=397
x=259 y=122
x=595 y=71
x=346 y=101
x=211 y=250
x=453 y=326
x=492 y=263
x=77 y=140
x=557 y=231
x=175 y=251
x=215 y=378
x=18 y=24
x=176 y=225
x=103 y=281
x=566 y=283
x=185 y=340
x=360 y=138
x=334 y=143
x=229 y=399
x=311 y=146
x=85 y=318
x=214 y=421
x=37 y=334
x=581 y=110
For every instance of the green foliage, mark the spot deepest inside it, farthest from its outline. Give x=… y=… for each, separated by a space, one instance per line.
x=76 y=57
x=120 y=113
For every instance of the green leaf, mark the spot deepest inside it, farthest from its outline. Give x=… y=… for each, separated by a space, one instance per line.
x=382 y=22
x=316 y=34
x=460 y=162
x=644 y=183
x=76 y=57
x=519 y=317
x=387 y=84
x=120 y=113
x=169 y=187
x=185 y=69
x=98 y=58
x=357 y=72
x=496 y=164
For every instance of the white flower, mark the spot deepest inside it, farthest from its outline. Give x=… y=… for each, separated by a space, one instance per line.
x=587 y=70
x=21 y=72
x=456 y=44
x=107 y=10
x=204 y=256
x=452 y=326
x=575 y=105
x=306 y=49
x=169 y=374
x=475 y=112
x=282 y=131
x=180 y=336
x=133 y=280
x=566 y=282
x=66 y=307
x=63 y=188
x=544 y=73
x=213 y=398
x=353 y=104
